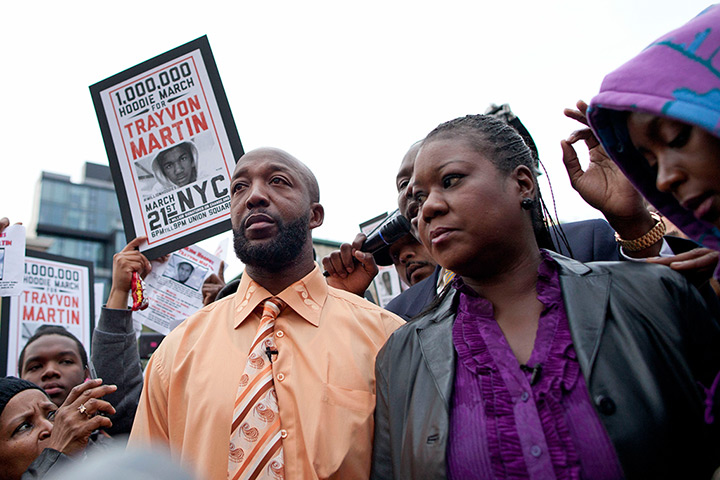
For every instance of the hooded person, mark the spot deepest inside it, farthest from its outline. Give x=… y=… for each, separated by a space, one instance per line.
x=176 y=166
x=658 y=118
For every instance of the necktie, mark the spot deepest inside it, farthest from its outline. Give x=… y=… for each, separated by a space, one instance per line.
x=255 y=443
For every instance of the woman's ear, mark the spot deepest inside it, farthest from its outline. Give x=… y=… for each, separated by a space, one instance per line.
x=524 y=178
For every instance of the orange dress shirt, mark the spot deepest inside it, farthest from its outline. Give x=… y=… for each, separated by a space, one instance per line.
x=327 y=341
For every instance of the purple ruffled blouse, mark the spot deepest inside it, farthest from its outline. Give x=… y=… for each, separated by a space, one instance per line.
x=501 y=425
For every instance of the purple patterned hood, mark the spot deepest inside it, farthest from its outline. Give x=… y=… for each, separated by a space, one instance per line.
x=677 y=76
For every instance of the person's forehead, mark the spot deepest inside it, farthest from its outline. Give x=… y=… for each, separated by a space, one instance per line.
x=24 y=403
x=265 y=163
x=443 y=152
x=174 y=153
x=646 y=124
x=408 y=161
x=50 y=346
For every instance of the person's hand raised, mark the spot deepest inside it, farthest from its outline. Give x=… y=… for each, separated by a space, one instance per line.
x=213 y=284
x=350 y=269
x=603 y=186
x=78 y=417
x=125 y=262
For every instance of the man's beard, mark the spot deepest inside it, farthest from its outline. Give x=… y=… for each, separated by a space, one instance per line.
x=275 y=254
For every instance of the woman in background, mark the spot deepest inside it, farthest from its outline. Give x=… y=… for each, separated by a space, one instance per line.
x=36 y=435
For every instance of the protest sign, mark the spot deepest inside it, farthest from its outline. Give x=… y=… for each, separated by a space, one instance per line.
x=172 y=145
x=57 y=291
x=12 y=258
x=174 y=288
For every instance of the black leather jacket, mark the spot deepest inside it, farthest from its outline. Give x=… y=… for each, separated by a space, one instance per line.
x=643 y=338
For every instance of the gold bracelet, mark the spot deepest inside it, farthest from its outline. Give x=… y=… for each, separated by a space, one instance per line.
x=649 y=239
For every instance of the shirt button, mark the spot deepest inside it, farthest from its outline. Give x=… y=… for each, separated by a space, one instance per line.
x=524 y=397
x=279 y=334
x=535 y=451
x=283 y=433
x=280 y=377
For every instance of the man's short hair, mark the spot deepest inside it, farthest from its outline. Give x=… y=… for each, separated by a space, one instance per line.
x=53 y=330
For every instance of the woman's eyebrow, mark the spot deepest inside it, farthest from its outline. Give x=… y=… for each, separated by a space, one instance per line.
x=19 y=417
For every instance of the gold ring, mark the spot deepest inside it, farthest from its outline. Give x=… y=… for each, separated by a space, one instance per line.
x=82 y=409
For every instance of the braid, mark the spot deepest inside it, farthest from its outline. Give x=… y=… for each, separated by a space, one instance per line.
x=505 y=148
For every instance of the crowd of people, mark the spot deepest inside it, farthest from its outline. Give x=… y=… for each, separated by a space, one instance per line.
x=521 y=348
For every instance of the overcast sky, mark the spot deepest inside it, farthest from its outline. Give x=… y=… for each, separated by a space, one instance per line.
x=345 y=87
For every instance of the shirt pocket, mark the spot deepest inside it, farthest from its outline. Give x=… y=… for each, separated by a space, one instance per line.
x=343 y=445
x=356 y=400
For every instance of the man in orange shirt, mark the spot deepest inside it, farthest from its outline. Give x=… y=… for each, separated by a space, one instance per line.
x=320 y=351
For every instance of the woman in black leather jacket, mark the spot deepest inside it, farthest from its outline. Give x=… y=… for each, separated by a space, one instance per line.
x=533 y=365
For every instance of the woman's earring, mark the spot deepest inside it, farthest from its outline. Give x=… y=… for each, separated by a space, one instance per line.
x=527 y=203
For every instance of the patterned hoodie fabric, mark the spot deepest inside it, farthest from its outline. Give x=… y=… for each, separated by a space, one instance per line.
x=677 y=76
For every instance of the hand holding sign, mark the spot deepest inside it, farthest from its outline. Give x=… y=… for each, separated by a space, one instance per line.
x=125 y=262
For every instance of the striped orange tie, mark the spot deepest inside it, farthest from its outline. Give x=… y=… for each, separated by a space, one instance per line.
x=255 y=444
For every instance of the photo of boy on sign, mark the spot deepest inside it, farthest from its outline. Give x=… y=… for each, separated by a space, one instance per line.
x=177 y=166
x=182 y=271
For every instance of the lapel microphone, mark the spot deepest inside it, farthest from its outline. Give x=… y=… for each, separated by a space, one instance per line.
x=269 y=352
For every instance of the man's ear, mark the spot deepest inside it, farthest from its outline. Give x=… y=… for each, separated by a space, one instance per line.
x=87 y=372
x=524 y=178
x=317 y=215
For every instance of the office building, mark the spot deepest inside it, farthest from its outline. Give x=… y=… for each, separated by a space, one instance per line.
x=82 y=220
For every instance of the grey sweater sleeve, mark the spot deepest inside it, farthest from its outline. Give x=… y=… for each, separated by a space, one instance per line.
x=115 y=359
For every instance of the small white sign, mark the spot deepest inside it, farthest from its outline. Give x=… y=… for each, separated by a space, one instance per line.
x=174 y=288
x=12 y=260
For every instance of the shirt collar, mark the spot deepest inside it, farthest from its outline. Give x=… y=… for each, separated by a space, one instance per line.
x=306 y=297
